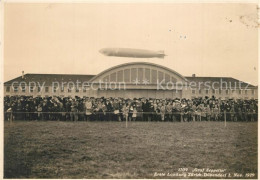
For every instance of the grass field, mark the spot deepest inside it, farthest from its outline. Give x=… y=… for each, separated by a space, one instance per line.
x=55 y=149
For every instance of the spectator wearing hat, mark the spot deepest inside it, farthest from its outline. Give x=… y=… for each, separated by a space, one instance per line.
x=131 y=109
x=88 y=107
x=134 y=113
x=162 y=112
x=125 y=111
x=169 y=111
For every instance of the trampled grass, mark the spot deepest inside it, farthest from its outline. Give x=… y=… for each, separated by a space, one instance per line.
x=55 y=149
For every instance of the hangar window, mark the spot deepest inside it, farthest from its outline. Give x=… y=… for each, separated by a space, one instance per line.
x=46 y=89
x=70 y=88
x=133 y=74
x=8 y=89
x=31 y=89
x=15 y=88
x=227 y=91
x=160 y=76
x=106 y=79
x=127 y=75
x=174 y=80
x=167 y=78
x=147 y=74
x=113 y=77
x=154 y=76
x=140 y=74
x=54 y=89
x=84 y=88
x=120 y=76
x=23 y=88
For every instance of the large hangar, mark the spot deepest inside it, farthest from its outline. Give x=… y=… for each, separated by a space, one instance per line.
x=139 y=79
x=130 y=80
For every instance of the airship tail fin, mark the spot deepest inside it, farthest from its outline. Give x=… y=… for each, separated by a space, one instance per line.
x=161 y=54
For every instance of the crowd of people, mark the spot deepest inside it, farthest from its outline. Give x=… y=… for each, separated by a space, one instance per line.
x=121 y=109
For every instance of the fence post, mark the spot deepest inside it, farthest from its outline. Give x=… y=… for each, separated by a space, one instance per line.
x=11 y=117
x=225 y=118
x=126 y=119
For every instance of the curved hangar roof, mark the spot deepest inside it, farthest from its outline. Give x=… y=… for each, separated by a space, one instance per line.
x=138 y=71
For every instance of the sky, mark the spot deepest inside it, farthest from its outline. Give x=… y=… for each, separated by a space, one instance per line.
x=217 y=40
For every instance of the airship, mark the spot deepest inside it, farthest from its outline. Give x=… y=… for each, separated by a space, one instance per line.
x=132 y=53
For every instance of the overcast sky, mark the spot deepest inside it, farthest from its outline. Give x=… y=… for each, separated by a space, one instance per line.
x=202 y=39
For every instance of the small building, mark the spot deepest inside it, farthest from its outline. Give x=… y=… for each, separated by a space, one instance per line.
x=130 y=80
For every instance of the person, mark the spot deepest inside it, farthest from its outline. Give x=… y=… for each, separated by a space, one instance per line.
x=74 y=111
x=9 y=114
x=81 y=109
x=39 y=110
x=88 y=108
x=215 y=112
x=130 y=114
x=232 y=113
x=104 y=111
x=158 y=112
x=63 y=113
x=150 y=110
x=245 y=112
x=134 y=113
x=68 y=108
x=162 y=111
x=174 y=111
x=145 y=109
x=139 y=109
x=169 y=111
x=193 y=112
x=49 y=108
x=125 y=111
x=252 y=111
x=203 y=112
x=110 y=109
x=227 y=110
x=185 y=113
x=199 y=112
x=99 y=110
x=27 y=112
x=155 y=111
x=116 y=110
x=240 y=114
x=208 y=112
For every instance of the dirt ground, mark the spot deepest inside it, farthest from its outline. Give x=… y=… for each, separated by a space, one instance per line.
x=54 y=149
